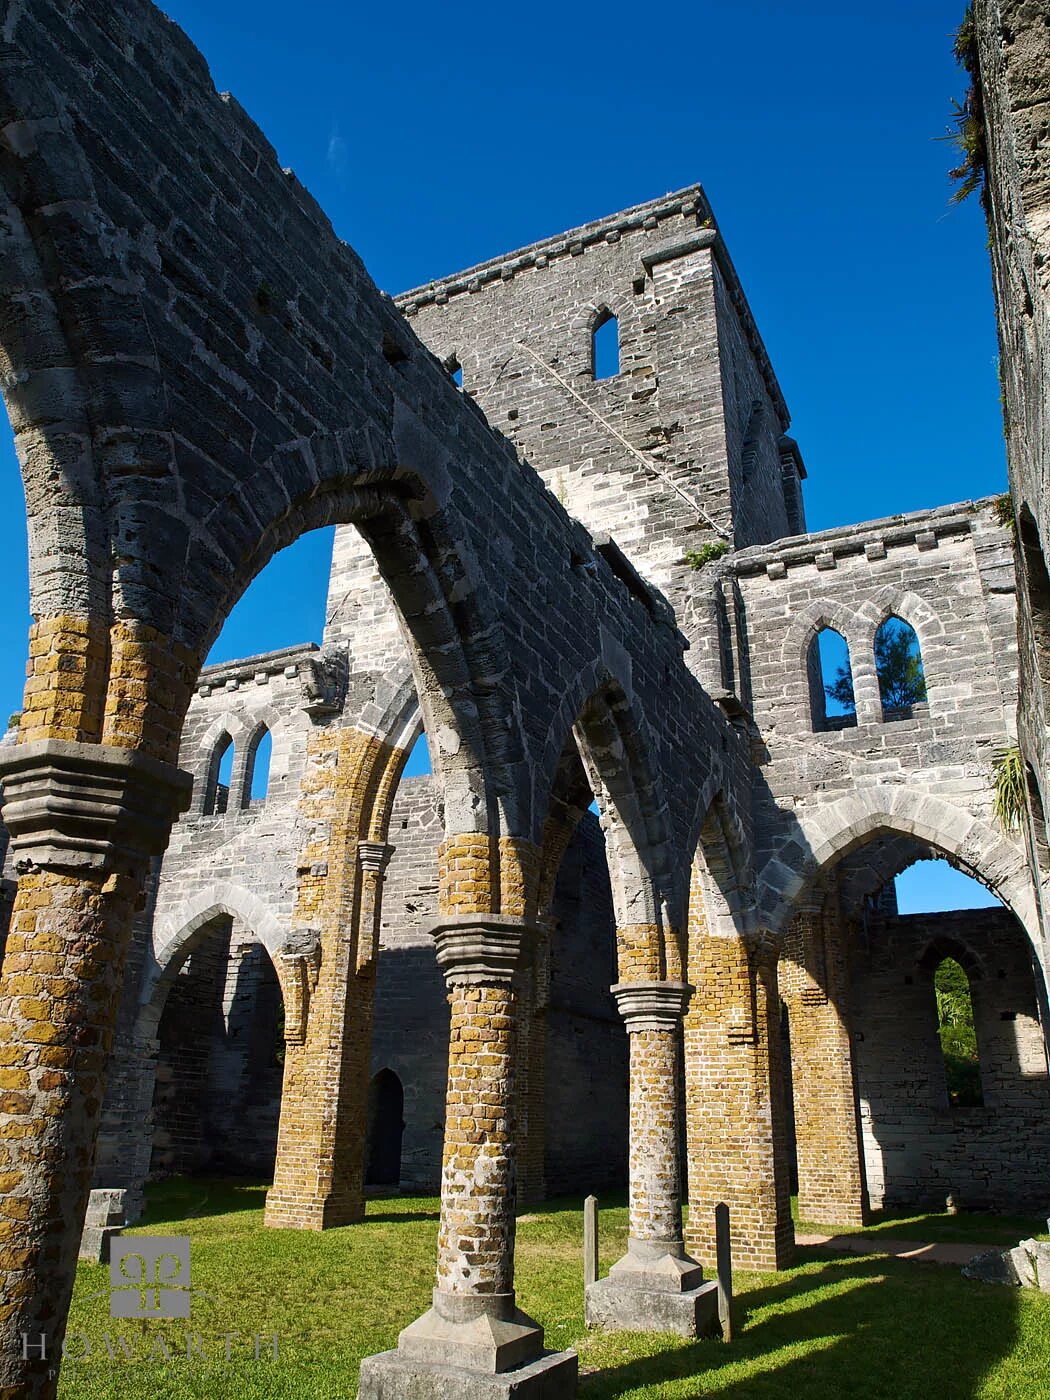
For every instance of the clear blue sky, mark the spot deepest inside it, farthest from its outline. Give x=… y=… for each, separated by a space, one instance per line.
x=436 y=136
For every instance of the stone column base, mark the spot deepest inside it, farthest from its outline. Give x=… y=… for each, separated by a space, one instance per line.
x=470 y=1345
x=107 y=1215
x=474 y=1332
x=623 y=1307
x=655 y=1287
x=310 y=1213
x=393 y=1376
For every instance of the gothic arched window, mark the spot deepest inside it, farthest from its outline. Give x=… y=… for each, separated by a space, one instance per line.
x=220 y=775
x=832 y=705
x=898 y=665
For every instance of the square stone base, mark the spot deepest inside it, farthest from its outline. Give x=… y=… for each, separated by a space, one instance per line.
x=623 y=1307
x=94 y=1242
x=391 y=1376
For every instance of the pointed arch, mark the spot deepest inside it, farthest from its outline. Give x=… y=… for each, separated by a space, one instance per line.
x=898 y=667
x=219 y=775
x=830 y=678
x=255 y=782
x=600 y=743
x=179 y=930
x=822 y=835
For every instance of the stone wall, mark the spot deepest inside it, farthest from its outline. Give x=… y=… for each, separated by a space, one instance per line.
x=1010 y=66
x=918 y=1148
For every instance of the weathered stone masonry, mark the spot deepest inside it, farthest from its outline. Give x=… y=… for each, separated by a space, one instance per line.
x=197 y=371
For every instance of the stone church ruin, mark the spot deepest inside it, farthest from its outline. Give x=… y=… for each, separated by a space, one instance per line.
x=571 y=552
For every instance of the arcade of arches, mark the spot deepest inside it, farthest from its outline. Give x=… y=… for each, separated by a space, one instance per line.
x=588 y=579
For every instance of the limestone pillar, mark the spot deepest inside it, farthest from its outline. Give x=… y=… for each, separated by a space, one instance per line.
x=656 y=1286
x=735 y=1106
x=84 y=820
x=474 y=1325
x=831 y=1187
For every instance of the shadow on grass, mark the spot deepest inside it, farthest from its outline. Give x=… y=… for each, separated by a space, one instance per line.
x=856 y=1328
x=186 y=1197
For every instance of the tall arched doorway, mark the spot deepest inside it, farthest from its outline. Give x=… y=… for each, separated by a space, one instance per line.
x=386 y=1124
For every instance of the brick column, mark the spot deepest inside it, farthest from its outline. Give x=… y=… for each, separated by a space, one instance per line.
x=474 y=1324
x=656 y=1286
x=319 y=1172
x=831 y=1187
x=735 y=1107
x=85 y=820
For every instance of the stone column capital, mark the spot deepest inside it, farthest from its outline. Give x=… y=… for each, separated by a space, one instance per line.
x=374 y=855
x=652 y=1006
x=483 y=948
x=78 y=807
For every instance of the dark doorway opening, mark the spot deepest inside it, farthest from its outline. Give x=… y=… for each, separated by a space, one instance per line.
x=386 y=1112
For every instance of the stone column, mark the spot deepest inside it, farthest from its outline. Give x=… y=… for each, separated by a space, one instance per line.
x=656 y=1286
x=735 y=1109
x=84 y=820
x=831 y=1187
x=474 y=1340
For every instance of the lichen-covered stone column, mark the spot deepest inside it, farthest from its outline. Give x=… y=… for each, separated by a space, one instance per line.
x=474 y=1323
x=85 y=820
x=656 y=1286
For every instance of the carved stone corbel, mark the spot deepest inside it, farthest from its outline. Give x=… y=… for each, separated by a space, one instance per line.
x=301 y=959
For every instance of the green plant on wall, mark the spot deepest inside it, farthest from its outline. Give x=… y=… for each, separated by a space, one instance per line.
x=1004 y=511
x=1008 y=781
x=706 y=554
x=967 y=125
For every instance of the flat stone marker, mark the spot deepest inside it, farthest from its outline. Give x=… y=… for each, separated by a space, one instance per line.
x=590 y=1240
x=724 y=1270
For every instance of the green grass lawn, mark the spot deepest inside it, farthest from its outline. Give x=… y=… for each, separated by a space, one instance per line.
x=836 y=1326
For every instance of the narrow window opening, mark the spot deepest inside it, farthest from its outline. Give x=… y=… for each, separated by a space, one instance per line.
x=898 y=665
x=830 y=676
x=257 y=778
x=455 y=370
x=220 y=775
x=605 y=347
x=957 y=1034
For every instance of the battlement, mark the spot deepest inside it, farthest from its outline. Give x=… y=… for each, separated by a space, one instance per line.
x=920 y=528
